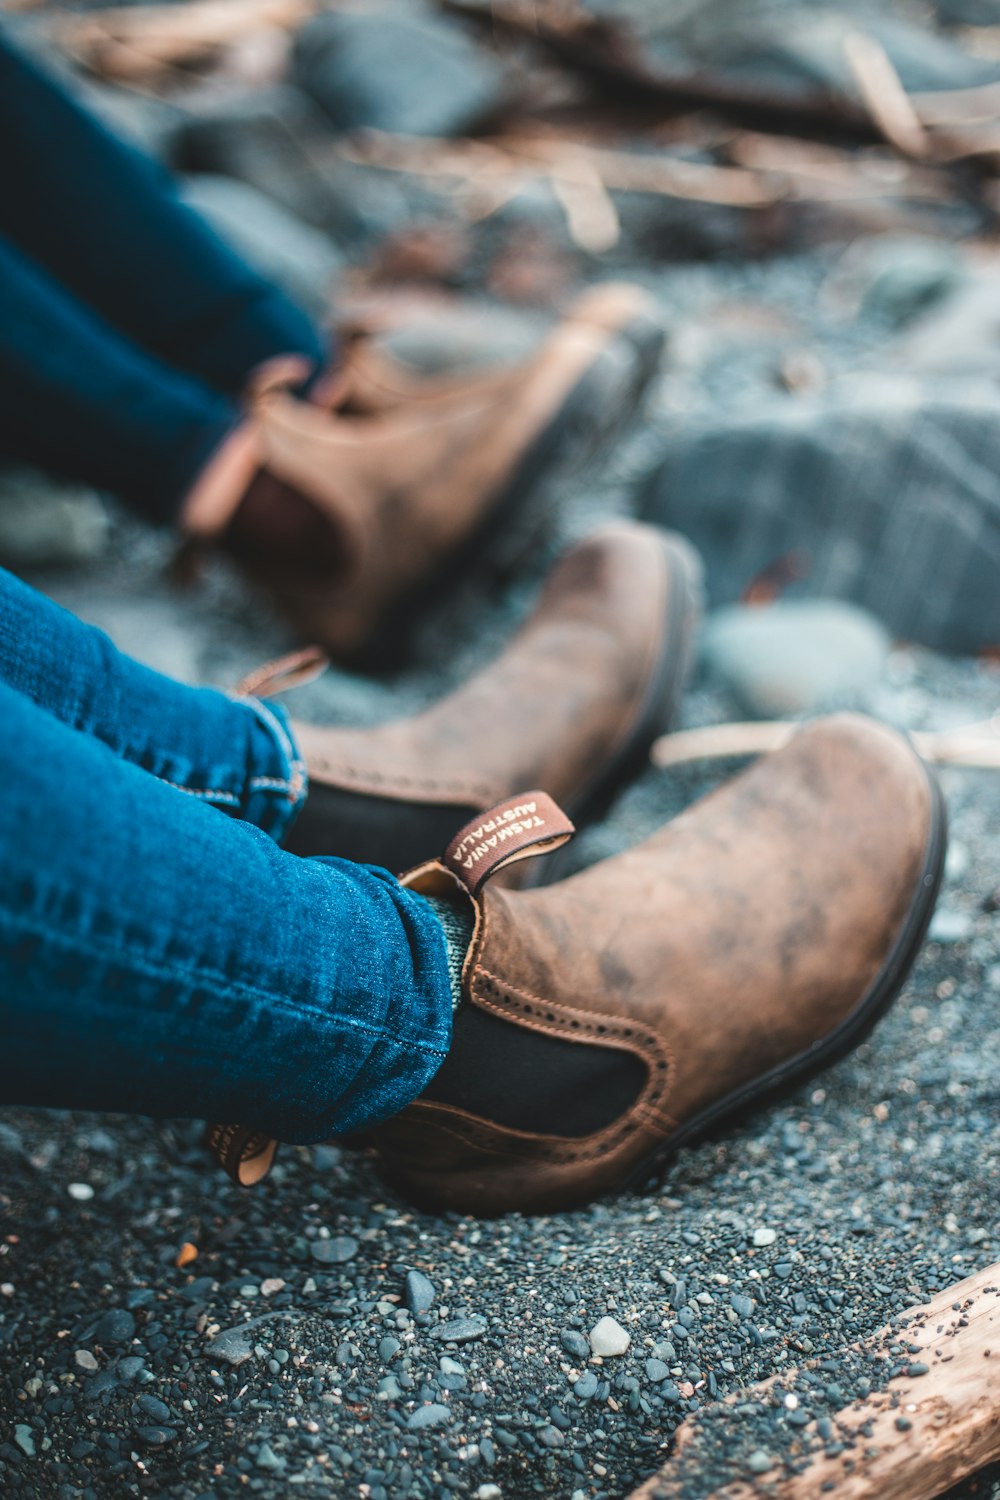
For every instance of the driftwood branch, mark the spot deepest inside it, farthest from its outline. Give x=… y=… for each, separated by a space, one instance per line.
x=950 y=1415
x=137 y=42
x=885 y=97
x=915 y=124
x=978 y=745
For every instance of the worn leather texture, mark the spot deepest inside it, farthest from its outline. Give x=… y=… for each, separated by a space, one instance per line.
x=736 y=940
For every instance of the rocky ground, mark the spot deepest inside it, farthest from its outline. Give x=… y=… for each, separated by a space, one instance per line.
x=165 y=1334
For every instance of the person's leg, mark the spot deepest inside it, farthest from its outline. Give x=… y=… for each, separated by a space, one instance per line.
x=235 y=753
x=78 y=399
x=158 y=957
x=107 y=222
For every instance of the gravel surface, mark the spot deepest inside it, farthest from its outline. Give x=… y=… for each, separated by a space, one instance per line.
x=163 y=1333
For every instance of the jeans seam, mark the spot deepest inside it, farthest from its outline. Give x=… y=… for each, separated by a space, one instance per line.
x=209 y=793
x=95 y=949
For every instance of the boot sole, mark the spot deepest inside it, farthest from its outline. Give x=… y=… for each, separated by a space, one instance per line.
x=507 y=535
x=781 y=1080
x=657 y=709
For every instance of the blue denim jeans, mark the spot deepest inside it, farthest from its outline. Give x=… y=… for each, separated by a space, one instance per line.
x=159 y=952
x=127 y=327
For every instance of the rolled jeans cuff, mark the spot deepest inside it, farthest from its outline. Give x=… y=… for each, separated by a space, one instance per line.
x=277 y=782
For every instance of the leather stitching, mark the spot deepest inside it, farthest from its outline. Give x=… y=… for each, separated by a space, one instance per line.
x=647 y=1108
x=466 y=1131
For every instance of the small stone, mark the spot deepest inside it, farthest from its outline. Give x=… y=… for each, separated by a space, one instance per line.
x=387 y=1348
x=948 y=926
x=117 y=1326
x=156 y=1437
x=489 y=1492
x=104 y=1380
x=86 y=1360
x=742 y=1306
x=917 y=1369
x=418 y=1292
x=24 y=1439
x=81 y=1191
x=795 y=656
x=271 y=1285
x=231 y=1345
x=130 y=1367
x=656 y=1370
x=608 y=1338
x=268 y=1459
x=903 y=1424
x=550 y=1437
x=335 y=1251
x=389 y=1386
x=433 y=1415
x=450 y=1366
x=413 y=75
x=764 y=1236
x=586 y=1387
x=459 y=1331
x=759 y=1462
x=158 y=1411
x=574 y=1343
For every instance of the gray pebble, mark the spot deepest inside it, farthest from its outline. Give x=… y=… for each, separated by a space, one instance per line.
x=156 y=1437
x=24 y=1439
x=154 y=1408
x=574 y=1343
x=334 y=1251
x=268 y=1459
x=117 y=1326
x=419 y=1292
x=433 y=1415
x=231 y=1345
x=459 y=1331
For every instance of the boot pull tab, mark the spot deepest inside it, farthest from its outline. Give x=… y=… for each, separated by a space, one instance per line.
x=516 y=829
x=245 y=1155
x=293 y=670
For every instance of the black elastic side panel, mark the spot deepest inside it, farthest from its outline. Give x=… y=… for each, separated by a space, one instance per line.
x=373 y=830
x=525 y=1080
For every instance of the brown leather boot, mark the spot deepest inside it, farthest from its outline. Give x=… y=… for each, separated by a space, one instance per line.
x=371 y=380
x=614 y=1017
x=355 y=522
x=571 y=706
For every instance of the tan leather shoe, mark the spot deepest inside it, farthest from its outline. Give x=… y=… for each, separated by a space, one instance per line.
x=571 y=706
x=356 y=522
x=614 y=1017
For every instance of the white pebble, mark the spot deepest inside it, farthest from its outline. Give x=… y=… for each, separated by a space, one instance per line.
x=608 y=1338
x=81 y=1191
x=762 y=1237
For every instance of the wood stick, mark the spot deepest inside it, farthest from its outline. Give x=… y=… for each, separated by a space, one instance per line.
x=547 y=157
x=950 y=1416
x=977 y=745
x=885 y=97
